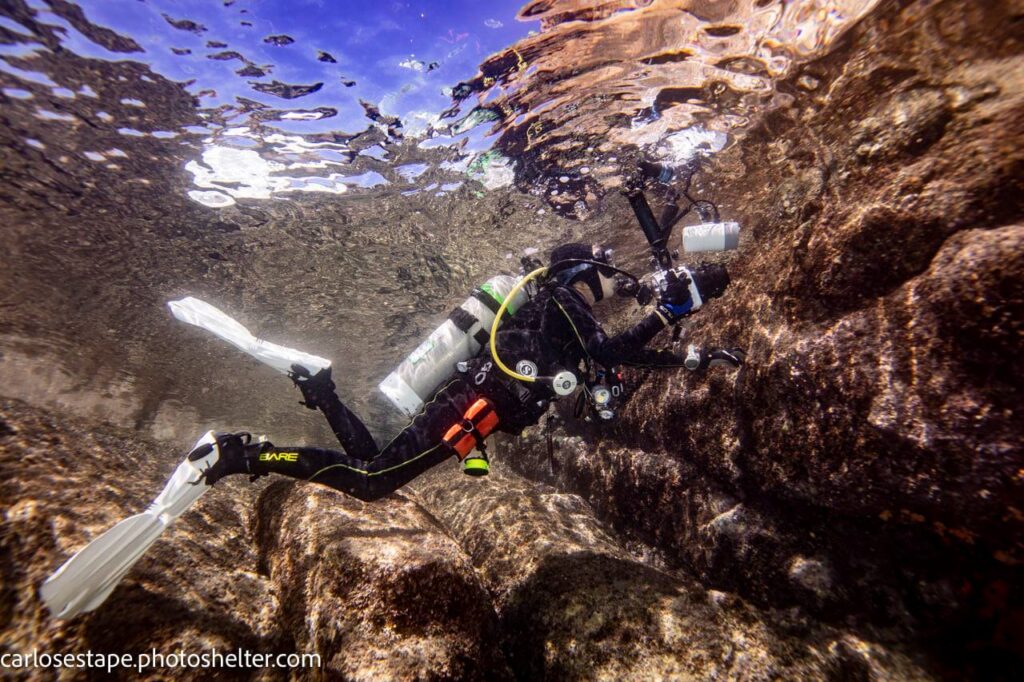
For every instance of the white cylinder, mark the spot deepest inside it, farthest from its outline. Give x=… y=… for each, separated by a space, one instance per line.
x=415 y=380
x=711 y=237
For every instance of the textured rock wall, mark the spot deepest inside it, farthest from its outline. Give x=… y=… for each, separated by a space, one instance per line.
x=574 y=604
x=867 y=463
x=857 y=486
x=459 y=579
x=379 y=591
x=63 y=482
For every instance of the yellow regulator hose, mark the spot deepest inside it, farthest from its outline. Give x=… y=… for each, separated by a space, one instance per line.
x=497 y=321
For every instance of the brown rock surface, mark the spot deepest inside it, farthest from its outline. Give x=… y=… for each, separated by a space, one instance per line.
x=61 y=484
x=441 y=583
x=858 y=485
x=882 y=302
x=576 y=605
x=867 y=463
x=379 y=590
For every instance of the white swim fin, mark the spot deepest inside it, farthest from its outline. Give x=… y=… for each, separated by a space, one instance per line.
x=88 y=578
x=203 y=315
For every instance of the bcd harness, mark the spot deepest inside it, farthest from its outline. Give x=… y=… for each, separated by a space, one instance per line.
x=480 y=418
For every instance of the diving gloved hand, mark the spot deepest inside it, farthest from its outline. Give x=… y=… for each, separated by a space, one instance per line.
x=237 y=455
x=702 y=358
x=314 y=387
x=676 y=301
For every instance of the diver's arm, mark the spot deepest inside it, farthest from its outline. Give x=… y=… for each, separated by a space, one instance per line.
x=622 y=349
x=655 y=359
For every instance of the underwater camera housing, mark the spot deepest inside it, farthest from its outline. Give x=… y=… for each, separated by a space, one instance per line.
x=706 y=281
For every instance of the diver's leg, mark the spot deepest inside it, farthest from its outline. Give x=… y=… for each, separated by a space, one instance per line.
x=419 y=447
x=318 y=393
x=347 y=473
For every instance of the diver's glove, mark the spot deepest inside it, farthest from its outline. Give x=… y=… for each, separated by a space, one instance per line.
x=676 y=301
x=702 y=358
x=316 y=388
x=236 y=454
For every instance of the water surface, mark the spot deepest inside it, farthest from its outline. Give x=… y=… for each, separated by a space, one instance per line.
x=336 y=175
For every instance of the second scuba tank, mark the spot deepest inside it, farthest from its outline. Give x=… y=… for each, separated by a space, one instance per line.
x=458 y=339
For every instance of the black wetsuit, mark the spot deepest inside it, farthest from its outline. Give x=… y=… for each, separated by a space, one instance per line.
x=556 y=331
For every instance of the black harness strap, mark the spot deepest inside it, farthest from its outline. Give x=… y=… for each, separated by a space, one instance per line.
x=463 y=320
x=477 y=436
x=486 y=299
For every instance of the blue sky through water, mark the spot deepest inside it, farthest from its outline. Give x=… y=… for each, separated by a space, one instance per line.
x=402 y=56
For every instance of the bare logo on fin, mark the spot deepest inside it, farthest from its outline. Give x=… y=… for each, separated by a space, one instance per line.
x=279 y=457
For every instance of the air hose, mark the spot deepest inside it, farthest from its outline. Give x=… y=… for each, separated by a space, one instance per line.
x=539 y=272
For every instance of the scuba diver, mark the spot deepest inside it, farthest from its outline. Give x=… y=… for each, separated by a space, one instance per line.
x=556 y=330
x=542 y=324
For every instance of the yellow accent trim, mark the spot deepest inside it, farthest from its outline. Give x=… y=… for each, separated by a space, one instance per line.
x=663 y=320
x=397 y=466
x=574 y=329
x=376 y=473
x=497 y=320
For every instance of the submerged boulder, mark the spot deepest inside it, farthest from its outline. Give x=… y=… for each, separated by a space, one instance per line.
x=378 y=589
x=848 y=505
x=865 y=465
x=574 y=604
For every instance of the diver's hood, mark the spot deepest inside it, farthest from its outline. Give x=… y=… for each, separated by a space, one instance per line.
x=569 y=273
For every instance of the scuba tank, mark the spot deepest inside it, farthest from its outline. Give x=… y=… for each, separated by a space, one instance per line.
x=457 y=339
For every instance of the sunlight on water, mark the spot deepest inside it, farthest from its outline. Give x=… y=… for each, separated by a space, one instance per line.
x=602 y=76
x=285 y=103
x=366 y=159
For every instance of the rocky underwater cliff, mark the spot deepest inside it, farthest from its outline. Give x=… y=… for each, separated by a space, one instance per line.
x=848 y=506
x=864 y=468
